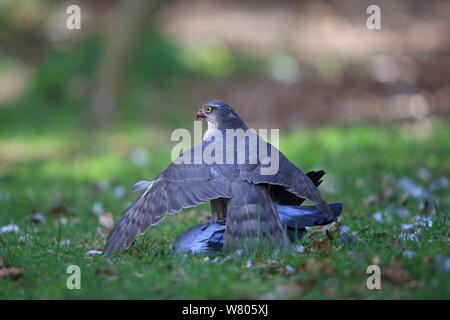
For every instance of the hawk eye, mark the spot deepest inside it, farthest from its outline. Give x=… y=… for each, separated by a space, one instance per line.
x=208 y=109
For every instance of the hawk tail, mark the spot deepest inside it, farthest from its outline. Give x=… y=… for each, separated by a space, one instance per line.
x=251 y=219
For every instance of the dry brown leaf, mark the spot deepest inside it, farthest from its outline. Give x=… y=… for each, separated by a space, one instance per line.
x=366 y=228
x=403 y=199
x=106 y=219
x=370 y=200
x=329 y=235
x=35 y=218
x=137 y=254
x=427 y=206
x=387 y=193
x=13 y=273
x=321 y=245
x=330 y=292
x=322 y=266
x=59 y=208
x=396 y=274
x=109 y=270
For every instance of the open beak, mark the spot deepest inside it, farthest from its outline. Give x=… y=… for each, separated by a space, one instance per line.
x=200 y=114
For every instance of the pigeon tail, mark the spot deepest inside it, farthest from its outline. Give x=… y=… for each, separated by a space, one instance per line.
x=295 y=219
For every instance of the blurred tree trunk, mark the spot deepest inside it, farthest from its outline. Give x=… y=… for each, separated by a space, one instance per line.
x=122 y=39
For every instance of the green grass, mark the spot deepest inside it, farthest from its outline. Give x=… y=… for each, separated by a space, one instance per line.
x=56 y=173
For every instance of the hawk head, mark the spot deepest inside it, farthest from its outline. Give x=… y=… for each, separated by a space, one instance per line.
x=220 y=115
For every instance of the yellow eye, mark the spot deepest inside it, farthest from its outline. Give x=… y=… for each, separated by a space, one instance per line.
x=208 y=109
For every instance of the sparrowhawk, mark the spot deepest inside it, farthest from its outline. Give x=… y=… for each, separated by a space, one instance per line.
x=242 y=197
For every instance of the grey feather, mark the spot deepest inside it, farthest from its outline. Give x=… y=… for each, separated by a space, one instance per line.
x=204 y=238
x=143 y=184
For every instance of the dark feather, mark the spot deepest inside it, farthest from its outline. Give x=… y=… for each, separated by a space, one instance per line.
x=282 y=196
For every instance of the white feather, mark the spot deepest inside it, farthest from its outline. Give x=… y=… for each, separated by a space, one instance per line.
x=212 y=126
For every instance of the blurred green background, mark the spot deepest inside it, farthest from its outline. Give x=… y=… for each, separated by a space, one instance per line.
x=86 y=113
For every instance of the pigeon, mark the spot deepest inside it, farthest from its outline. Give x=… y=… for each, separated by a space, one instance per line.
x=208 y=238
x=238 y=185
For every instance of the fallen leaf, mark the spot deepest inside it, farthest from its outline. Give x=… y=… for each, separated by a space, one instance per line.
x=330 y=292
x=59 y=208
x=329 y=235
x=365 y=229
x=335 y=227
x=36 y=218
x=370 y=200
x=321 y=245
x=323 y=266
x=282 y=290
x=109 y=270
x=106 y=220
x=13 y=273
x=403 y=199
x=427 y=207
x=136 y=253
x=396 y=274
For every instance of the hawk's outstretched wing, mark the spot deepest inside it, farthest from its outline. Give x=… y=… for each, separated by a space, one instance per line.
x=287 y=176
x=178 y=186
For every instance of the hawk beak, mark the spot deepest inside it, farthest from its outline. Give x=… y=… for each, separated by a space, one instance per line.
x=200 y=114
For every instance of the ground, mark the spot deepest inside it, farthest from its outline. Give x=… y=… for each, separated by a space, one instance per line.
x=381 y=173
